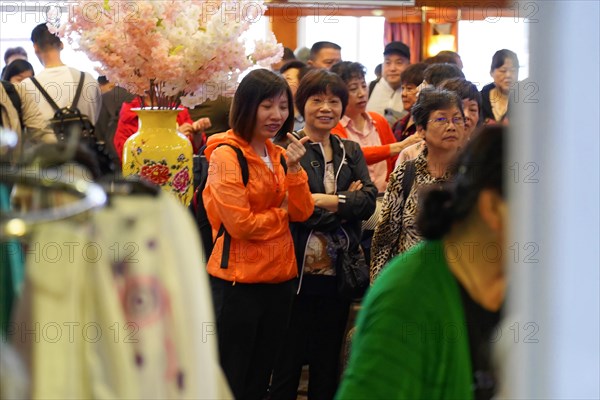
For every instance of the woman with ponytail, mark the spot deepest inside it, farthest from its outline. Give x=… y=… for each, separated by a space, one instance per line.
x=425 y=328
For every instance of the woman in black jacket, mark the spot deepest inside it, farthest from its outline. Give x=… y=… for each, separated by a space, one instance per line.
x=496 y=101
x=344 y=196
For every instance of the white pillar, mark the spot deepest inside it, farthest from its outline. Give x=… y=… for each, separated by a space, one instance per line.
x=555 y=218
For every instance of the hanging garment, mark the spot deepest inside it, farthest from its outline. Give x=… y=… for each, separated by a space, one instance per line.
x=11 y=268
x=13 y=377
x=120 y=307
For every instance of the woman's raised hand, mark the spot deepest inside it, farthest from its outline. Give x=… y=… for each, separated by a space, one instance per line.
x=201 y=125
x=295 y=151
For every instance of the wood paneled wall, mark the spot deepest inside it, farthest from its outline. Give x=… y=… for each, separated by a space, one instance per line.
x=284 y=17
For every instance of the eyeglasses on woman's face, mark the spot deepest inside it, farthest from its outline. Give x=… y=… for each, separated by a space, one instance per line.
x=444 y=122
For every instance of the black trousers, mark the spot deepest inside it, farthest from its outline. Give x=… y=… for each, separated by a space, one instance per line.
x=315 y=338
x=251 y=323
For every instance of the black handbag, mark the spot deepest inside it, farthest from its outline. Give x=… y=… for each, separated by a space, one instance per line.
x=352 y=273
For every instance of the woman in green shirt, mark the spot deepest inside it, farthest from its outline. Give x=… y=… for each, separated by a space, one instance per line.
x=425 y=327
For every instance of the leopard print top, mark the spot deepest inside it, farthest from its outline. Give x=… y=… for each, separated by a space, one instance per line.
x=396 y=230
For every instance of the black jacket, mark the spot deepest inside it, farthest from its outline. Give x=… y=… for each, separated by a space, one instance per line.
x=349 y=166
x=486 y=105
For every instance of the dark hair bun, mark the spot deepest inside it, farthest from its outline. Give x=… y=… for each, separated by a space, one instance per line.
x=435 y=215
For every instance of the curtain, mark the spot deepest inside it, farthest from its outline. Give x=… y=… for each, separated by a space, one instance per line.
x=408 y=33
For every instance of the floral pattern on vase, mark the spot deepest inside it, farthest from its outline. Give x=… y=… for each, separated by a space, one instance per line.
x=160 y=154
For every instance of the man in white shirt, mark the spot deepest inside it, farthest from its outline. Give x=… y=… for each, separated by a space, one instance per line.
x=386 y=98
x=59 y=80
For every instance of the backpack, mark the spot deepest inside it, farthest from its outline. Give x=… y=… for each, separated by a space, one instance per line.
x=69 y=121
x=197 y=206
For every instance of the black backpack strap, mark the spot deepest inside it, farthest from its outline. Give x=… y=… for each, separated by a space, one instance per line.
x=408 y=178
x=78 y=91
x=284 y=164
x=15 y=99
x=407 y=183
x=241 y=160
x=49 y=99
x=222 y=231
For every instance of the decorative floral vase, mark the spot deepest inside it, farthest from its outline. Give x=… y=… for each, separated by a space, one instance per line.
x=159 y=153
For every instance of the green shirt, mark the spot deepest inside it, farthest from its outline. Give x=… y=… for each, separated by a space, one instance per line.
x=411 y=339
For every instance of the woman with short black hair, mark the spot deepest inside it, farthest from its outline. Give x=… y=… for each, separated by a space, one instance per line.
x=344 y=195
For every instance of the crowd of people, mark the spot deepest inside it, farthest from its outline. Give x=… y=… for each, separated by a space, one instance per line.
x=421 y=127
x=401 y=171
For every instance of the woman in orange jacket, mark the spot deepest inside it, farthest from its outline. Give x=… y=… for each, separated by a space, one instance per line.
x=252 y=266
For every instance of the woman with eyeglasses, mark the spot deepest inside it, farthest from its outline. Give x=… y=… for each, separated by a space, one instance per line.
x=471 y=100
x=440 y=119
x=427 y=324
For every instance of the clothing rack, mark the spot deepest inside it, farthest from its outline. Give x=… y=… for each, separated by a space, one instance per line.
x=14 y=224
x=33 y=170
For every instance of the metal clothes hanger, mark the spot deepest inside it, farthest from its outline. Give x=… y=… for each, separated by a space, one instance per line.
x=89 y=195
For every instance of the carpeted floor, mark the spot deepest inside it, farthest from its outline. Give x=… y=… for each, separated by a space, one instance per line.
x=303 y=387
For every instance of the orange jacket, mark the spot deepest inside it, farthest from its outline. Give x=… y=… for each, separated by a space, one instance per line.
x=262 y=250
x=375 y=154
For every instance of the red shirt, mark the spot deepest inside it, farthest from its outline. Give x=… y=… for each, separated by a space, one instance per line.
x=375 y=154
x=402 y=130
